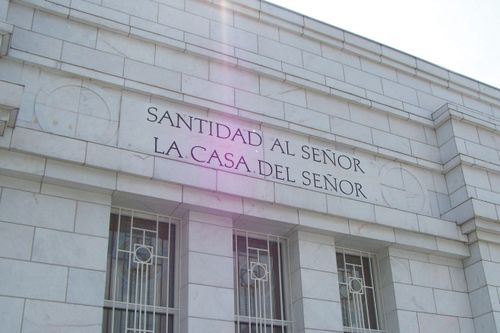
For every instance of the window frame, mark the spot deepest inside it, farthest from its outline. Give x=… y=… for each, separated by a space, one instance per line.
x=281 y=243
x=172 y=308
x=374 y=276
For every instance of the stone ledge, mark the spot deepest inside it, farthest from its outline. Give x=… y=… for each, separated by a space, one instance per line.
x=10 y=101
x=101 y=180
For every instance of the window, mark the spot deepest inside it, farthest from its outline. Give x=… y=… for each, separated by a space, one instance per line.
x=140 y=295
x=357 y=292
x=259 y=283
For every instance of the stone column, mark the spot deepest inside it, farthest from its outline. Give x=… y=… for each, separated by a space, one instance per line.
x=207 y=286
x=483 y=281
x=424 y=293
x=53 y=265
x=315 y=290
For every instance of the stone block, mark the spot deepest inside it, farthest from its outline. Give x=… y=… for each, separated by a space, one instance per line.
x=61 y=172
x=322 y=315
x=341 y=56
x=259 y=104
x=152 y=75
x=319 y=285
x=466 y=324
x=486 y=323
x=396 y=218
x=327 y=104
x=476 y=177
x=101 y=198
x=146 y=9
x=32 y=280
x=275 y=50
x=210 y=48
x=391 y=141
x=381 y=70
x=429 y=102
x=430 y=275
x=11 y=314
x=125 y=46
x=400 y=270
x=316 y=256
x=363 y=79
x=148 y=187
x=210 y=302
x=181 y=62
x=438 y=227
x=398 y=91
x=214 y=12
x=92 y=59
x=69 y=249
x=92 y=219
x=210 y=239
x=37 y=210
x=119 y=160
x=351 y=130
x=203 y=217
x=351 y=209
x=210 y=270
x=444 y=133
x=259 y=62
x=425 y=151
x=208 y=90
x=492 y=273
x=210 y=199
x=452 y=303
x=234 y=77
x=20 y=16
x=184 y=173
x=369 y=117
x=481 y=152
x=48 y=144
x=447 y=94
x=86 y=287
x=458 y=281
x=35 y=43
x=50 y=317
x=298 y=115
x=413 y=298
x=431 y=323
x=258 y=27
x=156 y=32
x=304 y=43
x=101 y=11
x=298 y=197
x=282 y=91
x=340 y=88
x=66 y=30
x=15 y=241
x=182 y=20
x=406 y=320
x=323 y=221
x=201 y=325
x=270 y=211
x=16 y=163
x=480 y=300
x=323 y=66
x=236 y=37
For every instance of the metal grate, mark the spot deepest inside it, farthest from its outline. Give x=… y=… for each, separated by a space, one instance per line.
x=259 y=283
x=357 y=292
x=140 y=281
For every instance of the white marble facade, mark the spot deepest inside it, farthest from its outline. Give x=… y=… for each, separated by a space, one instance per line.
x=240 y=115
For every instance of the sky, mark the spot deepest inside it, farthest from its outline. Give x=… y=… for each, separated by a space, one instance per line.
x=460 y=35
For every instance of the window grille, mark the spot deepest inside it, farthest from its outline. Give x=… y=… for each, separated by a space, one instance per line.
x=357 y=292
x=140 y=281
x=260 y=283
